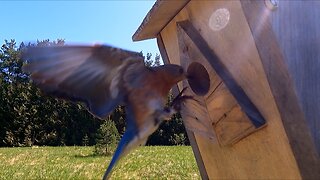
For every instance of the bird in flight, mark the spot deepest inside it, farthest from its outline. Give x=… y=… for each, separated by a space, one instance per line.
x=103 y=77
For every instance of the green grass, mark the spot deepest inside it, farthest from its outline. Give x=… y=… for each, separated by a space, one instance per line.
x=150 y=162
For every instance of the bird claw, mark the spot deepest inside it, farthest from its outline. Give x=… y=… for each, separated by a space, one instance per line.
x=165 y=115
x=174 y=107
x=179 y=100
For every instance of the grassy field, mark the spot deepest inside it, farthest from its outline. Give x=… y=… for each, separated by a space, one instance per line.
x=157 y=162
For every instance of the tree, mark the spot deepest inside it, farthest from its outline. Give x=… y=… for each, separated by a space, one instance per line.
x=28 y=117
x=107 y=138
x=149 y=62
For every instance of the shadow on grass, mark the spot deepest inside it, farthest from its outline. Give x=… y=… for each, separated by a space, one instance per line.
x=92 y=155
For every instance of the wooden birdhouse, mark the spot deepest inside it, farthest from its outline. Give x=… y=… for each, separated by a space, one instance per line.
x=254 y=71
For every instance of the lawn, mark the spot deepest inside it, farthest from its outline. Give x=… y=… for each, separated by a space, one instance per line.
x=150 y=162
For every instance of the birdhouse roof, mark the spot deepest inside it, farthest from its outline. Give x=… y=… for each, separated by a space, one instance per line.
x=157 y=18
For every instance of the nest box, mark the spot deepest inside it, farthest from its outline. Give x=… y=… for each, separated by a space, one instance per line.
x=255 y=75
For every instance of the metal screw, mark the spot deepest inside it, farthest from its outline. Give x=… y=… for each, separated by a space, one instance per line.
x=272 y=4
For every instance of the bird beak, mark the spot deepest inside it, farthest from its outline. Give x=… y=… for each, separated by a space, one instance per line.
x=188 y=76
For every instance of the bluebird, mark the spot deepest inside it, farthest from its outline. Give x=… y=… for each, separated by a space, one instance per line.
x=103 y=77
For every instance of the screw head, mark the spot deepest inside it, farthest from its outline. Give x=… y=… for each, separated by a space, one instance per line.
x=272 y=4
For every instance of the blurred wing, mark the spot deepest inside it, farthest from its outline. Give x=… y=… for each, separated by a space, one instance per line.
x=91 y=74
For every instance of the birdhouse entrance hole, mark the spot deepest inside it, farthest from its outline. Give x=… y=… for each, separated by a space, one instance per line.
x=198 y=80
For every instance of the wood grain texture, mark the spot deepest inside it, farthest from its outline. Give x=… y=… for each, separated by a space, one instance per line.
x=233 y=126
x=292 y=116
x=265 y=154
x=220 y=103
x=297 y=29
x=190 y=134
x=157 y=18
x=227 y=115
x=195 y=113
x=228 y=130
x=196 y=151
x=189 y=53
x=242 y=99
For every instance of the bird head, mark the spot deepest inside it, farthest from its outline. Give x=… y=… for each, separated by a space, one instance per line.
x=172 y=73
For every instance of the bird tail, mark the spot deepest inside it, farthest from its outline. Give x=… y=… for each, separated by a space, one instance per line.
x=129 y=140
x=123 y=147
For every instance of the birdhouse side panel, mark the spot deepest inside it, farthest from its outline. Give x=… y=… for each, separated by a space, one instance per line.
x=297 y=28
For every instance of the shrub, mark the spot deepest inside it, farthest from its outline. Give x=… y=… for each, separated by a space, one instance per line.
x=85 y=140
x=170 y=133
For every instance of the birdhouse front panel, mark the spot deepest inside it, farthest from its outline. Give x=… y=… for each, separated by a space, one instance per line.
x=222 y=129
x=246 y=121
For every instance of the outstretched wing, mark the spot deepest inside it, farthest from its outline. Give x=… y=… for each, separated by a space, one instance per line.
x=90 y=74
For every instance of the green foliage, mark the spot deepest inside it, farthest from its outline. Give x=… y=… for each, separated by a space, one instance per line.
x=107 y=138
x=170 y=132
x=28 y=117
x=118 y=116
x=85 y=140
x=152 y=62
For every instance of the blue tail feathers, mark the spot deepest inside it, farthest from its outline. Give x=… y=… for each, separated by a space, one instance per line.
x=121 y=150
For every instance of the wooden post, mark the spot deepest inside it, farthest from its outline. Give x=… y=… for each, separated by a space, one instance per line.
x=283 y=91
x=192 y=139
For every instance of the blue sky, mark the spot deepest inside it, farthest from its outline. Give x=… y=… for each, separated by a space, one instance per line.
x=89 y=22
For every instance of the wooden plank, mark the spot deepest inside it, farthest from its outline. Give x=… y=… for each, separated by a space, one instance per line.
x=220 y=103
x=189 y=54
x=297 y=29
x=248 y=107
x=196 y=118
x=196 y=151
x=165 y=58
x=194 y=113
x=233 y=126
x=265 y=154
x=162 y=50
x=190 y=134
x=230 y=123
x=157 y=18
x=283 y=90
